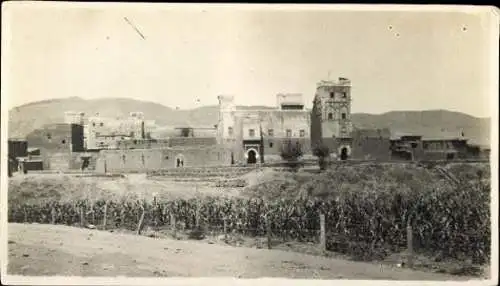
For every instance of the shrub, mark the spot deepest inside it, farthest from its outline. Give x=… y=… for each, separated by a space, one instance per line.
x=291 y=153
x=322 y=152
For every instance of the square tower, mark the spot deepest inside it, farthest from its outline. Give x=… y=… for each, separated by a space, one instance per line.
x=333 y=100
x=331 y=123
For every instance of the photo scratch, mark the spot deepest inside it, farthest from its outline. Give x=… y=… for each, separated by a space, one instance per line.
x=135 y=28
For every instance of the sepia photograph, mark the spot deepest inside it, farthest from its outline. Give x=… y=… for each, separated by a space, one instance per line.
x=297 y=143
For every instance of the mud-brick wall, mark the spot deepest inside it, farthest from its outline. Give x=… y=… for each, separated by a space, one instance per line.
x=143 y=160
x=371 y=148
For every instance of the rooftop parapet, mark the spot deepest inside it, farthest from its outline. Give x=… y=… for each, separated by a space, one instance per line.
x=341 y=81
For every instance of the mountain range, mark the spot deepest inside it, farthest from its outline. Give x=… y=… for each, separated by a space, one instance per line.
x=430 y=123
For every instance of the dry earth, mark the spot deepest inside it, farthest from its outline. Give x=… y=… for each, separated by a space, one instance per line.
x=60 y=250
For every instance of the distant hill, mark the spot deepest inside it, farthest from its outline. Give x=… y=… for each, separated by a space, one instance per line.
x=432 y=123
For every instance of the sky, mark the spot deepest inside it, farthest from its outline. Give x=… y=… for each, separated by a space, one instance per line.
x=395 y=60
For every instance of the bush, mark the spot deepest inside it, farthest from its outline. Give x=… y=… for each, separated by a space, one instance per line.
x=322 y=152
x=291 y=153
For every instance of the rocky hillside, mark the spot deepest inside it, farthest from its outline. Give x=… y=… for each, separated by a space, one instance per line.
x=23 y=119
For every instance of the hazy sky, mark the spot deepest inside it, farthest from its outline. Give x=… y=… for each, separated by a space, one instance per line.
x=396 y=60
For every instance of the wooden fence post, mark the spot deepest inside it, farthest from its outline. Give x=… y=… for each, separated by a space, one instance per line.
x=104 y=221
x=173 y=224
x=322 y=238
x=141 y=221
x=268 y=232
x=225 y=227
x=197 y=217
x=93 y=213
x=25 y=215
x=53 y=215
x=409 y=241
x=82 y=216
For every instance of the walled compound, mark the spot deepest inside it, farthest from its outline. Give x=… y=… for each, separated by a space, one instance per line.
x=242 y=136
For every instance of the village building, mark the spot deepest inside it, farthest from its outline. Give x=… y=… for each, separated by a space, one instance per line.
x=259 y=135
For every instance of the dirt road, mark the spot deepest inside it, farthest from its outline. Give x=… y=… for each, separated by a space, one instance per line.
x=59 y=250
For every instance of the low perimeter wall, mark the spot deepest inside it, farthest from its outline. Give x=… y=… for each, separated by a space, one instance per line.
x=144 y=160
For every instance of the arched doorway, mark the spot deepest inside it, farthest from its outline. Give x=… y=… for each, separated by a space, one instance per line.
x=343 y=154
x=179 y=161
x=252 y=157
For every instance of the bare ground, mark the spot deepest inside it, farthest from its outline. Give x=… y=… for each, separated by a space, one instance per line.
x=60 y=250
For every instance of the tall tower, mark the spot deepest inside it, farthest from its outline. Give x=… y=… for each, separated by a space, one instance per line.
x=226 y=121
x=334 y=99
x=331 y=121
x=77 y=138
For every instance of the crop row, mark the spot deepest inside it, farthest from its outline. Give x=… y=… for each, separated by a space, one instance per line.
x=362 y=221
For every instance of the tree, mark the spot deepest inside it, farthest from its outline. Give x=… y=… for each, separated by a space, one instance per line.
x=322 y=152
x=291 y=153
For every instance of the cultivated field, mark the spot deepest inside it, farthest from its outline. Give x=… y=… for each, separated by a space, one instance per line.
x=367 y=209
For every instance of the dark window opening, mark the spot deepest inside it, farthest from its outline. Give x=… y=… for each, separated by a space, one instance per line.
x=344 y=116
x=166 y=157
x=414 y=145
x=230 y=131
x=330 y=116
x=251 y=132
x=135 y=141
x=93 y=124
x=288 y=133
x=270 y=144
x=344 y=95
x=101 y=124
x=63 y=141
x=302 y=133
x=332 y=94
x=49 y=136
x=270 y=132
x=450 y=156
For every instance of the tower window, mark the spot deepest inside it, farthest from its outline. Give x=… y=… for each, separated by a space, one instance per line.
x=270 y=144
x=93 y=124
x=270 y=132
x=251 y=132
x=330 y=116
x=332 y=94
x=289 y=133
x=230 y=131
x=344 y=116
x=344 y=95
x=302 y=133
x=101 y=124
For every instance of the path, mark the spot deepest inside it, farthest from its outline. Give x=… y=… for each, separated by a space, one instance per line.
x=61 y=250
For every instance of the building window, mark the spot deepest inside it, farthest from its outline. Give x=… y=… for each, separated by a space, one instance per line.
x=332 y=94
x=93 y=124
x=302 y=133
x=344 y=116
x=251 y=132
x=270 y=132
x=344 y=95
x=270 y=144
x=288 y=133
x=132 y=134
x=63 y=141
x=101 y=124
x=330 y=116
x=230 y=131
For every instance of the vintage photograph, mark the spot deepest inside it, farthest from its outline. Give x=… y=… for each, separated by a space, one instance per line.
x=305 y=142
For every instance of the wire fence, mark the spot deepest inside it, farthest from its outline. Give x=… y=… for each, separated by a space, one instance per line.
x=323 y=223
